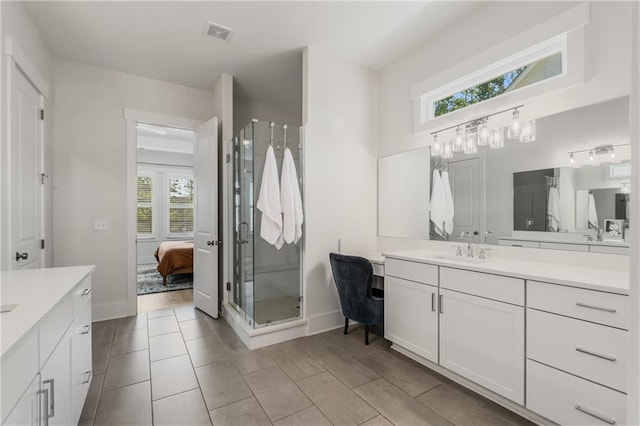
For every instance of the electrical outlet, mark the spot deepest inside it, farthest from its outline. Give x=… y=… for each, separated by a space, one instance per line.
x=100 y=225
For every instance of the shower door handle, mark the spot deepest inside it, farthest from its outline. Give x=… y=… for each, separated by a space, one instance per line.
x=239 y=240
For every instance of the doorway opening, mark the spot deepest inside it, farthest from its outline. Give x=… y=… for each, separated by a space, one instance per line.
x=165 y=214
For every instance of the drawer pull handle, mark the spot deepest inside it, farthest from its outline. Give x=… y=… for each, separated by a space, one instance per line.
x=433 y=302
x=598 y=308
x=601 y=417
x=84 y=330
x=85 y=292
x=440 y=304
x=44 y=415
x=603 y=356
x=87 y=377
x=52 y=399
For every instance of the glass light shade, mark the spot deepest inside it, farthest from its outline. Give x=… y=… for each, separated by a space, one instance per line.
x=528 y=131
x=458 y=142
x=571 y=159
x=515 y=127
x=447 y=150
x=470 y=146
x=612 y=153
x=591 y=154
x=436 y=148
x=483 y=134
x=496 y=140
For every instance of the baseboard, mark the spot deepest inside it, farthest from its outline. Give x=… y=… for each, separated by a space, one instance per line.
x=324 y=322
x=107 y=311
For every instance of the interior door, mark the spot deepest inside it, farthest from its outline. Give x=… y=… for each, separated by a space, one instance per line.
x=26 y=168
x=206 y=243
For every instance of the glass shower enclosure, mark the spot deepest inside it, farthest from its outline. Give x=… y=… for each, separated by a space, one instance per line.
x=267 y=282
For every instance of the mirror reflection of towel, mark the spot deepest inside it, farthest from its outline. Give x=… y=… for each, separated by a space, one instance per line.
x=592 y=213
x=438 y=204
x=553 y=210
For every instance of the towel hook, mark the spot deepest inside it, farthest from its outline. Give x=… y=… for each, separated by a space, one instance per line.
x=271 y=125
x=284 y=136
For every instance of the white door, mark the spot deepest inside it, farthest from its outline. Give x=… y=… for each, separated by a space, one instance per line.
x=465 y=177
x=411 y=317
x=483 y=340
x=205 y=243
x=26 y=168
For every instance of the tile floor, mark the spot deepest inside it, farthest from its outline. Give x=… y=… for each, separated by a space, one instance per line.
x=176 y=366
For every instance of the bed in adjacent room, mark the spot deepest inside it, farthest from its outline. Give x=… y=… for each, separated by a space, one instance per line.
x=174 y=257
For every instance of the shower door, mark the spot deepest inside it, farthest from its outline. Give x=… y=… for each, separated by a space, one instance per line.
x=243 y=221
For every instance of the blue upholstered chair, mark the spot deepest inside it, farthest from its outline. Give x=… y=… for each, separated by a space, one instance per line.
x=353 y=276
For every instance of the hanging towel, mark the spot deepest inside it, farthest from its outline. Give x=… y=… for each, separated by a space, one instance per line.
x=438 y=204
x=448 y=198
x=553 y=210
x=269 y=202
x=290 y=200
x=593 y=214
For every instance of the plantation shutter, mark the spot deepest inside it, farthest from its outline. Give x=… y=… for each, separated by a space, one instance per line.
x=180 y=205
x=145 y=206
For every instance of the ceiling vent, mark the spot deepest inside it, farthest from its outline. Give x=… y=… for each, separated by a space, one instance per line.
x=217 y=31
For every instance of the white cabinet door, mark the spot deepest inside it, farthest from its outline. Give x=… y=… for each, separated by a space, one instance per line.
x=411 y=317
x=27 y=410
x=56 y=382
x=483 y=340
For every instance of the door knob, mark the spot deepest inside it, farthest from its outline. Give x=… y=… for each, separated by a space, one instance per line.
x=23 y=256
x=211 y=243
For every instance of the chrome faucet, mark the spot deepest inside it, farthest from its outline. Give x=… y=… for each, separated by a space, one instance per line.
x=470 y=244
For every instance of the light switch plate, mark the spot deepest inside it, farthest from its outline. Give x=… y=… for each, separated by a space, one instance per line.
x=100 y=225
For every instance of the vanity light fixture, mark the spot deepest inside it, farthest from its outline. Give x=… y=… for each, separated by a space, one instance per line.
x=595 y=151
x=477 y=132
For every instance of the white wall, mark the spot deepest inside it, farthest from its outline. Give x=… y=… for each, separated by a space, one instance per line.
x=339 y=116
x=16 y=22
x=244 y=110
x=607 y=64
x=90 y=167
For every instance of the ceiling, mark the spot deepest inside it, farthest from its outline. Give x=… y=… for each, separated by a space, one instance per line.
x=163 y=40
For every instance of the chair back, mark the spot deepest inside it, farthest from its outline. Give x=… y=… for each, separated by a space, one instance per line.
x=353 y=276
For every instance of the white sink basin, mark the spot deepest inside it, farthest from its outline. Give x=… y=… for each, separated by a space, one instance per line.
x=463 y=259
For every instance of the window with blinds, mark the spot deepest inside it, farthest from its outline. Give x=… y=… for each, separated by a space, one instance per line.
x=145 y=209
x=180 y=206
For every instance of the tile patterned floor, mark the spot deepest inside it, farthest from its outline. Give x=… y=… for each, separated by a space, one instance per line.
x=177 y=366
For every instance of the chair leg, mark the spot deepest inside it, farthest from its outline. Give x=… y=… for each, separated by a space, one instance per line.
x=366 y=334
x=346 y=325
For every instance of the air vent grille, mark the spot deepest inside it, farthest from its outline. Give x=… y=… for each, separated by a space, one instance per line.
x=218 y=32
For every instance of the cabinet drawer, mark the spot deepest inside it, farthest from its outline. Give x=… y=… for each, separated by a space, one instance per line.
x=19 y=367
x=570 y=400
x=53 y=326
x=496 y=287
x=519 y=243
x=81 y=293
x=590 y=305
x=595 y=352
x=609 y=249
x=564 y=246
x=412 y=271
x=81 y=371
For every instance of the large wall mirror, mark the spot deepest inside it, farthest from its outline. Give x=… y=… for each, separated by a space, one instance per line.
x=483 y=183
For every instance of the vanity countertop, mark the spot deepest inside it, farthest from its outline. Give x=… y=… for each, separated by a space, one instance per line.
x=609 y=280
x=35 y=292
x=560 y=241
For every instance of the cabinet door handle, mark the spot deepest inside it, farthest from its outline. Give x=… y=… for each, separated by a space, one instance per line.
x=52 y=400
x=596 y=354
x=86 y=377
x=85 y=292
x=440 y=304
x=589 y=412
x=597 y=308
x=45 y=415
x=433 y=302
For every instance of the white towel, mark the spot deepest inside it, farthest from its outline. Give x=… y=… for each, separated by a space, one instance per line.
x=553 y=210
x=448 y=198
x=269 y=202
x=593 y=214
x=290 y=200
x=438 y=204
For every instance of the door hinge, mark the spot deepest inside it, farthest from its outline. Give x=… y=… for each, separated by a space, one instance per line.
x=42 y=176
x=42 y=244
x=228 y=286
x=42 y=114
x=227 y=158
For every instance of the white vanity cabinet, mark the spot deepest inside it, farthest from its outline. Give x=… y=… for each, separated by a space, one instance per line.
x=411 y=316
x=46 y=345
x=482 y=330
x=577 y=348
